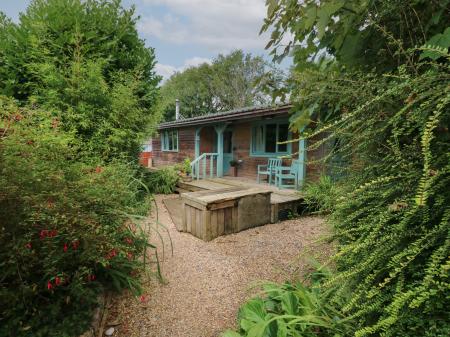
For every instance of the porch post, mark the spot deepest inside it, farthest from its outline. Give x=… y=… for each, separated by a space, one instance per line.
x=197 y=142
x=302 y=162
x=220 y=130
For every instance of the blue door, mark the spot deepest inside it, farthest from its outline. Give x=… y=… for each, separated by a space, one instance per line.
x=227 y=150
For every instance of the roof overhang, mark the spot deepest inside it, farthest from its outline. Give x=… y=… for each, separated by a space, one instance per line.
x=229 y=116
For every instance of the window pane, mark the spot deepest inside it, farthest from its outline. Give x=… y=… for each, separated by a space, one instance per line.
x=283 y=130
x=258 y=139
x=175 y=140
x=271 y=138
x=170 y=143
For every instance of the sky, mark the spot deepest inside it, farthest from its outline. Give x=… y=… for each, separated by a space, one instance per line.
x=190 y=32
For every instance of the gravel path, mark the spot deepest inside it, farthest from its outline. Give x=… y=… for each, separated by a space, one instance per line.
x=208 y=281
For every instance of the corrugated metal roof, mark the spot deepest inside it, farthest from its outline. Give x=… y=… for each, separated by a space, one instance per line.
x=246 y=112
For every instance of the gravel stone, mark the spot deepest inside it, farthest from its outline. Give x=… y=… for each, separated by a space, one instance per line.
x=206 y=282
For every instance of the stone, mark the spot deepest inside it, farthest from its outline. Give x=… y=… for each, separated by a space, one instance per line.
x=109 y=332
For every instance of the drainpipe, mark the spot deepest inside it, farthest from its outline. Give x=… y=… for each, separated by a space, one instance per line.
x=177 y=109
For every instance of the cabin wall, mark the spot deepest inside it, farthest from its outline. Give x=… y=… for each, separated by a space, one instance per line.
x=241 y=151
x=186 y=149
x=242 y=137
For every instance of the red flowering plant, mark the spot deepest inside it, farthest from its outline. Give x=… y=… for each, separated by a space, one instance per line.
x=65 y=229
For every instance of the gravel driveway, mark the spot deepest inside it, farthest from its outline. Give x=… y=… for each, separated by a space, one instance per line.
x=208 y=281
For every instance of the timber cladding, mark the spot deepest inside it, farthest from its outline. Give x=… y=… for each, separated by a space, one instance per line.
x=186 y=148
x=241 y=143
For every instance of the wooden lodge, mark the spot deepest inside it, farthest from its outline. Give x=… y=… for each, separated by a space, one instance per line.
x=245 y=137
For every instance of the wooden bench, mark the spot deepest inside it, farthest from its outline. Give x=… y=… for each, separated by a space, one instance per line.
x=212 y=213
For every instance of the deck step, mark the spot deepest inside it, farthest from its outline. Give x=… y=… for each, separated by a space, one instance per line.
x=180 y=190
x=189 y=186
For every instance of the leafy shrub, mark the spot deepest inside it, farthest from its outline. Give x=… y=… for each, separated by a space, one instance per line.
x=162 y=181
x=85 y=62
x=66 y=233
x=184 y=166
x=291 y=310
x=321 y=196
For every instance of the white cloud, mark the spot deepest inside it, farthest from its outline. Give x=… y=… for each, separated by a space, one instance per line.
x=166 y=70
x=220 y=25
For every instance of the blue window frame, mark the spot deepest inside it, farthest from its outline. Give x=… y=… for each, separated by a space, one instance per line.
x=267 y=135
x=169 y=140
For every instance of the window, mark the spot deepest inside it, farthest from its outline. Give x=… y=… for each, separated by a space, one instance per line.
x=266 y=136
x=169 y=140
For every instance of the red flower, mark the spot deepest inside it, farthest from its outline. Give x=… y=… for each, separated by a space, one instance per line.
x=130 y=256
x=91 y=277
x=111 y=254
x=57 y=281
x=43 y=234
x=98 y=169
x=143 y=298
x=28 y=245
x=128 y=240
x=65 y=247
x=49 y=285
x=52 y=233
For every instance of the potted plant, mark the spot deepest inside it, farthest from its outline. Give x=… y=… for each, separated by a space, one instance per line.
x=184 y=170
x=234 y=166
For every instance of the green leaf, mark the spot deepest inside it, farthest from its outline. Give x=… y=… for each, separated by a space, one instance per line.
x=310 y=16
x=438 y=41
x=322 y=23
x=289 y=303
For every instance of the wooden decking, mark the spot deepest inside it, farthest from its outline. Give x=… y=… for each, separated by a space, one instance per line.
x=282 y=201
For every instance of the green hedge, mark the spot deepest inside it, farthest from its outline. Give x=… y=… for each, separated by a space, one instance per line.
x=66 y=233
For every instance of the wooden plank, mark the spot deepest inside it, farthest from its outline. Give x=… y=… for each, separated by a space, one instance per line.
x=214 y=229
x=200 y=227
x=228 y=220
x=220 y=221
x=194 y=222
x=193 y=203
x=273 y=213
x=222 y=204
x=188 y=219
x=206 y=224
x=234 y=219
x=183 y=217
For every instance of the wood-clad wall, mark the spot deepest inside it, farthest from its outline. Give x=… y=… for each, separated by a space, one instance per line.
x=242 y=134
x=186 y=148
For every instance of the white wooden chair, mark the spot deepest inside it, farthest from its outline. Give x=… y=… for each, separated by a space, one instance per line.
x=269 y=170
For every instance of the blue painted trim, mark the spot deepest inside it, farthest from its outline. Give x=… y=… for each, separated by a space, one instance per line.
x=302 y=162
x=220 y=130
x=277 y=121
x=197 y=141
x=166 y=132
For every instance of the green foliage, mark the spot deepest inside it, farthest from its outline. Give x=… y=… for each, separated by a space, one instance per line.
x=184 y=166
x=291 y=310
x=162 y=181
x=84 y=62
x=392 y=218
x=232 y=81
x=384 y=106
x=321 y=196
x=66 y=231
x=358 y=33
